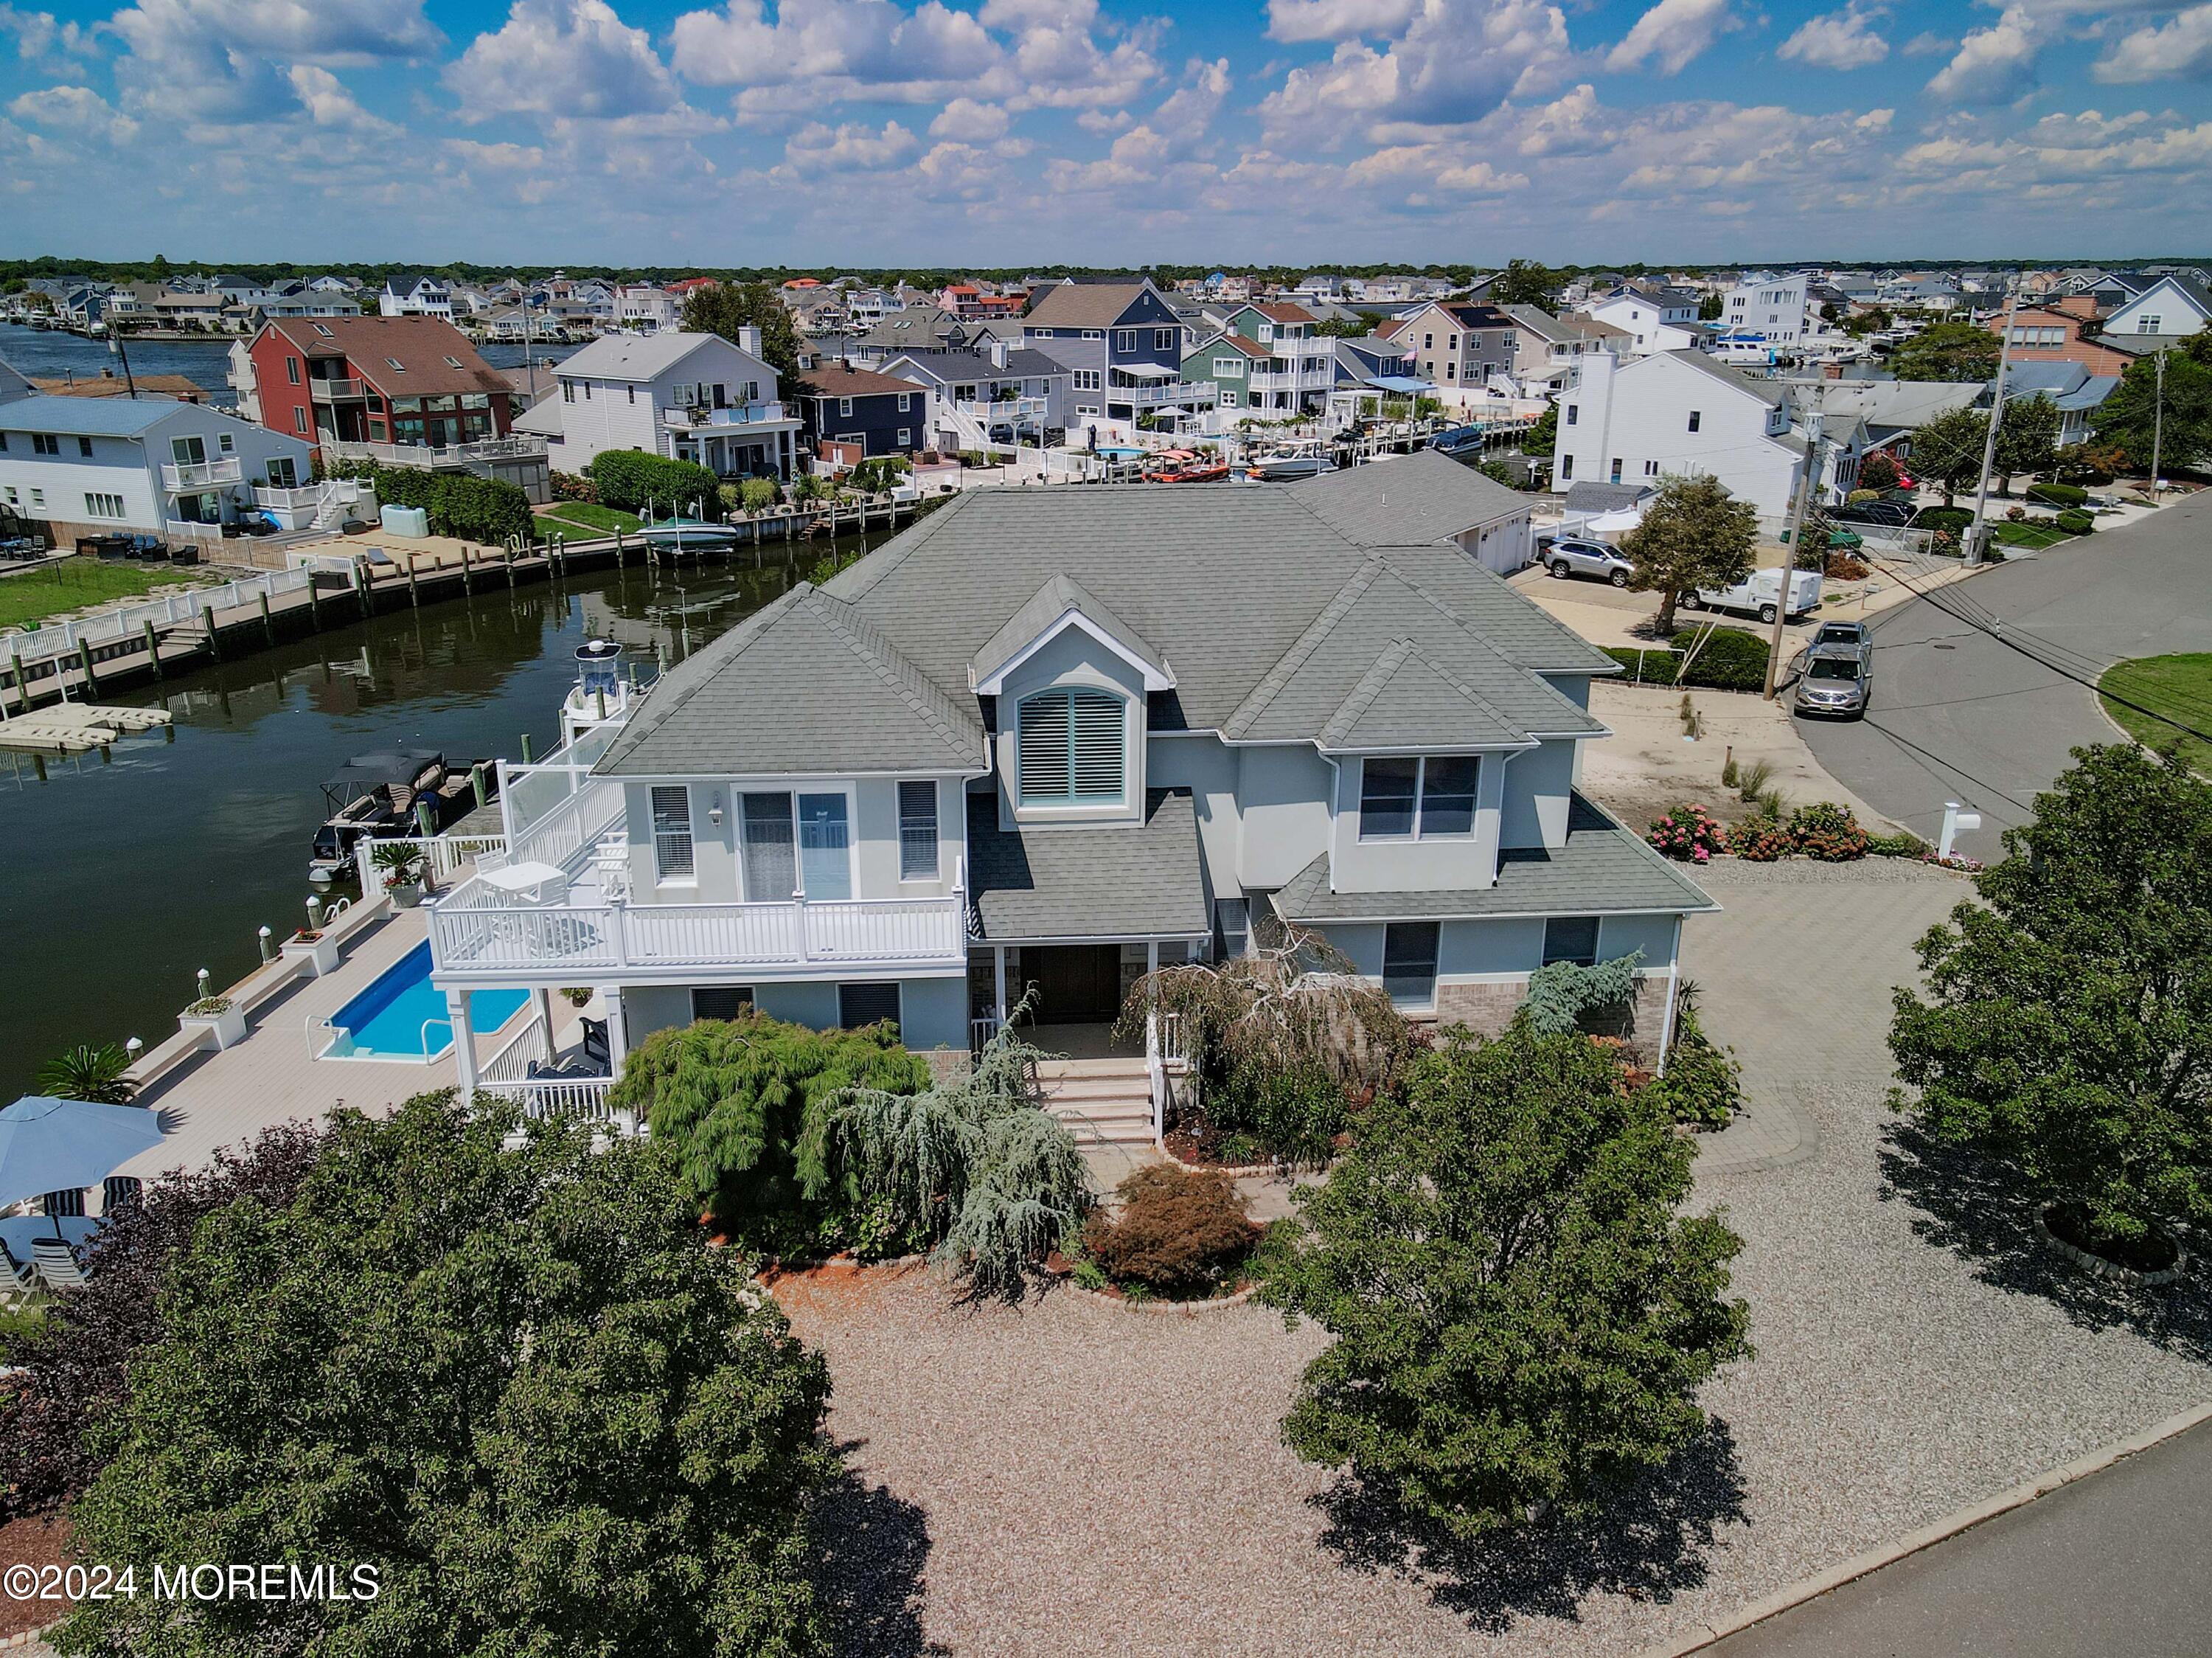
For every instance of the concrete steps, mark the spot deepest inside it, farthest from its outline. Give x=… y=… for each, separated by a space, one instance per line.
x=1103 y=1101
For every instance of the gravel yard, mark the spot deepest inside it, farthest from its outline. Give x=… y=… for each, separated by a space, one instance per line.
x=1072 y=1477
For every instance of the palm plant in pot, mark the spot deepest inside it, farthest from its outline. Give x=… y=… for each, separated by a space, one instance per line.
x=402 y=868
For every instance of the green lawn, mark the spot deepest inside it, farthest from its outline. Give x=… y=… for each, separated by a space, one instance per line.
x=2031 y=536
x=78 y=582
x=2177 y=685
x=570 y=517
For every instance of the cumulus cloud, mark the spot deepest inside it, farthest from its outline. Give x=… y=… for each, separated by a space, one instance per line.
x=562 y=58
x=37 y=32
x=851 y=147
x=1457 y=61
x=1573 y=124
x=1670 y=34
x=1841 y=39
x=2181 y=48
x=850 y=46
x=1928 y=43
x=1337 y=20
x=76 y=110
x=970 y=122
x=1992 y=65
x=345 y=34
x=328 y=103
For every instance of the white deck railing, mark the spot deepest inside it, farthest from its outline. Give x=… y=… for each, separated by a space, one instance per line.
x=561 y=1099
x=201 y=474
x=434 y=454
x=129 y=621
x=476 y=929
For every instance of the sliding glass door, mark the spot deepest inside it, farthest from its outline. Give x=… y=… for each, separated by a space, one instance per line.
x=811 y=847
x=825 y=846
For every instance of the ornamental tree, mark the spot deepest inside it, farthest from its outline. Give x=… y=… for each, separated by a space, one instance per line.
x=1956 y=351
x=2172 y=415
x=1947 y=451
x=2027 y=438
x=1693 y=535
x=2067 y=1027
x=723 y=307
x=746 y=1107
x=1522 y=1317
x=518 y=1382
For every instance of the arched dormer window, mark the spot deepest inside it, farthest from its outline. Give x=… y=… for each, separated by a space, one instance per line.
x=1070 y=748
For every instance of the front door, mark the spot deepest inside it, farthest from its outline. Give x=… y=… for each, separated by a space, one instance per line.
x=1077 y=984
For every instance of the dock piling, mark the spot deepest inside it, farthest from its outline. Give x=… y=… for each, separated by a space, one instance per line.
x=268 y=943
x=153 y=647
x=91 y=679
x=267 y=622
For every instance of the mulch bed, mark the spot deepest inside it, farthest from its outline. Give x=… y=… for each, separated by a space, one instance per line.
x=32 y=1540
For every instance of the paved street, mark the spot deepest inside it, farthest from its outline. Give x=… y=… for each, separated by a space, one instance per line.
x=2120 y=1562
x=1959 y=716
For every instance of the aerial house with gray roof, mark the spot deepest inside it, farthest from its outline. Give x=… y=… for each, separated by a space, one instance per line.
x=1048 y=739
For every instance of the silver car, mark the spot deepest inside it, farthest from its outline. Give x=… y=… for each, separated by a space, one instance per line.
x=1835 y=678
x=1578 y=554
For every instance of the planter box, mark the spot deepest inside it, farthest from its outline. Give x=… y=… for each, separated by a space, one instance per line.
x=225 y=1029
x=320 y=954
x=404 y=895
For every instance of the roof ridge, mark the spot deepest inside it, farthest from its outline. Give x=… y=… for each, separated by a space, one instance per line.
x=1361 y=698
x=1474 y=635
x=875 y=650
x=1308 y=641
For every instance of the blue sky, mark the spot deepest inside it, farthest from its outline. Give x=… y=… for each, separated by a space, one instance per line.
x=1016 y=131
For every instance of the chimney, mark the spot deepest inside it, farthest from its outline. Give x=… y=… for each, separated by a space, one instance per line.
x=997 y=353
x=749 y=339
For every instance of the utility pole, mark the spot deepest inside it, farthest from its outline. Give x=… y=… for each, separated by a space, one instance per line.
x=1977 y=532
x=1790 y=545
x=2157 y=424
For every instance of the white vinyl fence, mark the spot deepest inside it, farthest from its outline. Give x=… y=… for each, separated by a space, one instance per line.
x=109 y=627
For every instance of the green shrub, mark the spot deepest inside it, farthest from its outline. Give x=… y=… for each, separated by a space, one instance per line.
x=1953 y=519
x=1176 y=1230
x=1649 y=667
x=1827 y=832
x=628 y=478
x=2057 y=495
x=572 y=487
x=457 y=503
x=1292 y=1113
x=1732 y=660
x=758 y=494
x=1702 y=1082
x=1857 y=496
x=1904 y=845
x=2076 y=523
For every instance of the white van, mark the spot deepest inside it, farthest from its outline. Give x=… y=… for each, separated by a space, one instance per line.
x=1754 y=594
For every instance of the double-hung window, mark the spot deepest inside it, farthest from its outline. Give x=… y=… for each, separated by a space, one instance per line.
x=671 y=832
x=1410 y=797
x=1070 y=748
x=45 y=443
x=1125 y=339
x=917 y=808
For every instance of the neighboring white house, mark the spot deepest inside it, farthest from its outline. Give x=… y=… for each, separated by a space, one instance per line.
x=643 y=308
x=1052 y=738
x=1681 y=411
x=1776 y=309
x=1654 y=320
x=688 y=396
x=2171 y=305
x=416 y=296
x=86 y=465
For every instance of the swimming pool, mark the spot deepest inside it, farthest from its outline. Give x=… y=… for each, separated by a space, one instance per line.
x=403 y=1017
x=1115 y=452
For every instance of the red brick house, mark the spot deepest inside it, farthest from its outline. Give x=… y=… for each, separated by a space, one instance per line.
x=406 y=380
x=2062 y=331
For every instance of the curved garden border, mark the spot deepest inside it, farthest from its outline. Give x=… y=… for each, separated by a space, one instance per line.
x=2098 y=1266
x=1160 y=1304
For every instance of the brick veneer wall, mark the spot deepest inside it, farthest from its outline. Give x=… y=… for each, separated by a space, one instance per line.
x=1489 y=1007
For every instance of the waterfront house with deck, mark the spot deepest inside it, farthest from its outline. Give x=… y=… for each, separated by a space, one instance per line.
x=1121 y=341
x=1048 y=739
x=689 y=396
x=1020 y=395
x=876 y=412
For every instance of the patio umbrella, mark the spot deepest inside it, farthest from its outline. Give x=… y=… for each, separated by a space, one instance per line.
x=65 y=1145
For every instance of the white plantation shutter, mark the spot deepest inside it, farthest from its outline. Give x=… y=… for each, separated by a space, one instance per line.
x=1097 y=746
x=1044 y=756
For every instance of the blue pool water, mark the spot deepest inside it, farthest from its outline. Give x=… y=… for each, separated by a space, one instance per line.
x=401 y=1016
x=1113 y=452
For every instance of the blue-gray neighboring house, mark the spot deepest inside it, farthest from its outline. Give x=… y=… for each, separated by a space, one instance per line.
x=884 y=414
x=1121 y=340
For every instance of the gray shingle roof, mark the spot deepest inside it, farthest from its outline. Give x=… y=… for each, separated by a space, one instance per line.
x=804 y=684
x=635 y=356
x=1767 y=390
x=1604 y=868
x=1050 y=602
x=1270 y=618
x=1022 y=363
x=1590 y=497
x=1097 y=882
x=1084 y=304
x=1422 y=496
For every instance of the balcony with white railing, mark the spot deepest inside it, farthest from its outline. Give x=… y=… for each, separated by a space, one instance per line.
x=201 y=474
x=436 y=456
x=702 y=416
x=334 y=390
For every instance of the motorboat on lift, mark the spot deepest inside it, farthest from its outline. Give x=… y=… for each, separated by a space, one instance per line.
x=384 y=795
x=1286 y=462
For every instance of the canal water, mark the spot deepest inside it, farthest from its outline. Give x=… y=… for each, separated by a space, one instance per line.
x=50 y=354
x=123 y=872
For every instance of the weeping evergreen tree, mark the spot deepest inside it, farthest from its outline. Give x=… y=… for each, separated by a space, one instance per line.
x=979 y=1156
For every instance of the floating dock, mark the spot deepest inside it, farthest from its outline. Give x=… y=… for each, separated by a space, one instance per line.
x=74 y=727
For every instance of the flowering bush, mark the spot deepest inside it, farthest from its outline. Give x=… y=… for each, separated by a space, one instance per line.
x=1827 y=832
x=1964 y=865
x=1760 y=840
x=1688 y=833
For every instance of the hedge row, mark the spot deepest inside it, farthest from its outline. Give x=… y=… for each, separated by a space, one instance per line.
x=458 y=503
x=2057 y=495
x=628 y=479
x=1732 y=660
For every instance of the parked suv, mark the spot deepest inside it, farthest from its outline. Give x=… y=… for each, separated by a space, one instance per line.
x=1576 y=555
x=1884 y=515
x=1835 y=671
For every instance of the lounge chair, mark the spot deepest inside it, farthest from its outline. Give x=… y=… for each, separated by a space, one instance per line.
x=596 y=1046
x=58 y=1264
x=17 y=1280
